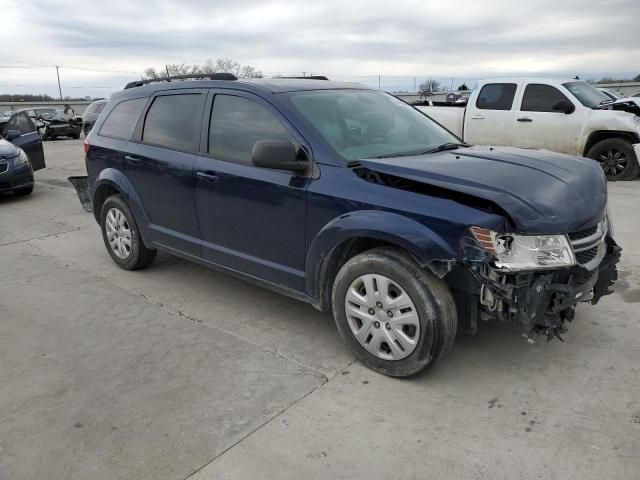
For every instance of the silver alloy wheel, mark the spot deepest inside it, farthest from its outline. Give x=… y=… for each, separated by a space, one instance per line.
x=382 y=317
x=118 y=233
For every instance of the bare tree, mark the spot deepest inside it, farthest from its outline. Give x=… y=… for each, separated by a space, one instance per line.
x=428 y=88
x=220 y=65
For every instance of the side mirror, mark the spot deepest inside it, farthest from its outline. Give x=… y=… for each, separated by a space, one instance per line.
x=278 y=155
x=12 y=135
x=564 y=106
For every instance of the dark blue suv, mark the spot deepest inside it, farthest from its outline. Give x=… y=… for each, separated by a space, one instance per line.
x=351 y=200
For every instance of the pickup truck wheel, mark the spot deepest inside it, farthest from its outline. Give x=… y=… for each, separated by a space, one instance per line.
x=121 y=236
x=617 y=159
x=397 y=318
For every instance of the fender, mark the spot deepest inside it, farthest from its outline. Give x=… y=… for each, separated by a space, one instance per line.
x=116 y=179
x=422 y=242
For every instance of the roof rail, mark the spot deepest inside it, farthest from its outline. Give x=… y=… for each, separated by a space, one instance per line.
x=198 y=76
x=308 y=77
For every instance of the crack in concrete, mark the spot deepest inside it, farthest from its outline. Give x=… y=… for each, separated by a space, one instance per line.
x=27 y=240
x=258 y=428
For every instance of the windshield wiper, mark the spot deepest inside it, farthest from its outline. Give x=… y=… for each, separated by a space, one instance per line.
x=439 y=148
x=447 y=146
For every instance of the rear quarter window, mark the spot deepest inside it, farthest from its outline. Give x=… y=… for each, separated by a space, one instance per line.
x=496 y=96
x=123 y=118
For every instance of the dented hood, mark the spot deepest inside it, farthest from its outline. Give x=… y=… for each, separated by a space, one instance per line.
x=541 y=191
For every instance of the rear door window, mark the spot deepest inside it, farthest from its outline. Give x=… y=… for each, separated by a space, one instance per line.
x=496 y=96
x=541 y=98
x=123 y=119
x=237 y=123
x=173 y=121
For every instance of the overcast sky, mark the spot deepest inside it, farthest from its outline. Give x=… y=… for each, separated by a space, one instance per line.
x=102 y=45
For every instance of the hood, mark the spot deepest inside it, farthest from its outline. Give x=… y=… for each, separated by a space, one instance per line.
x=7 y=149
x=541 y=191
x=627 y=104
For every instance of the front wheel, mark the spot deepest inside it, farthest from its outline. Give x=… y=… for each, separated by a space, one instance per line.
x=616 y=157
x=397 y=318
x=121 y=236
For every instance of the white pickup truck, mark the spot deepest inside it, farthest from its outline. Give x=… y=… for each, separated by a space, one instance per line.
x=567 y=116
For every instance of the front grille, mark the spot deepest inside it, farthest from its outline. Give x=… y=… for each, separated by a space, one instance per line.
x=4 y=167
x=588 y=245
x=583 y=233
x=587 y=255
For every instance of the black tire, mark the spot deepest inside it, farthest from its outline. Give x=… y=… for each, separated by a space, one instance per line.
x=23 y=192
x=616 y=157
x=76 y=135
x=430 y=295
x=139 y=256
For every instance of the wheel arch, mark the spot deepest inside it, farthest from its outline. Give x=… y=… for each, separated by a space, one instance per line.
x=113 y=182
x=356 y=232
x=599 y=135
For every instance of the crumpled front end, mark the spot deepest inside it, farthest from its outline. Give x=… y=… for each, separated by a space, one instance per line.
x=540 y=301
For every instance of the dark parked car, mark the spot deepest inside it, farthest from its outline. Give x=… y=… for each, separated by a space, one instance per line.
x=351 y=200
x=91 y=114
x=21 y=153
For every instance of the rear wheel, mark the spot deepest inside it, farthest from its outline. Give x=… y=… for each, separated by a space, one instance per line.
x=617 y=159
x=122 y=237
x=396 y=317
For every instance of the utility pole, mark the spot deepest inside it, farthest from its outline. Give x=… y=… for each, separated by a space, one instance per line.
x=378 y=82
x=166 y=67
x=304 y=74
x=414 y=85
x=59 y=87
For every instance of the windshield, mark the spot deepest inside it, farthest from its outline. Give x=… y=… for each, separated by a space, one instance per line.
x=368 y=123
x=586 y=94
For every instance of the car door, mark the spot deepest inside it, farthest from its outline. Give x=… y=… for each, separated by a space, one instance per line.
x=29 y=139
x=542 y=122
x=252 y=219
x=159 y=164
x=489 y=120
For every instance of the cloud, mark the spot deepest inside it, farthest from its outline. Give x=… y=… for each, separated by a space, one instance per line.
x=356 y=39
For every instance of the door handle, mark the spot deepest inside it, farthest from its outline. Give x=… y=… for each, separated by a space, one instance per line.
x=208 y=176
x=524 y=119
x=477 y=117
x=131 y=159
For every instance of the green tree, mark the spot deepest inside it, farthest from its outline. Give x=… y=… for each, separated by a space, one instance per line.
x=463 y=87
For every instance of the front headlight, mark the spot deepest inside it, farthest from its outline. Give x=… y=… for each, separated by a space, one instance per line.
x=525 y=252
x=21 y=159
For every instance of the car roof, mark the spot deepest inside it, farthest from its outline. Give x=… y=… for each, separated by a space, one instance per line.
x=530 y=79
x=262 y=85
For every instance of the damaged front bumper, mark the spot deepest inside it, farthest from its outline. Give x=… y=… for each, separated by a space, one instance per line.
x=543 y=301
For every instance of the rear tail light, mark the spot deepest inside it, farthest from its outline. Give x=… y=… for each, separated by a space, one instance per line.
x=86 y=146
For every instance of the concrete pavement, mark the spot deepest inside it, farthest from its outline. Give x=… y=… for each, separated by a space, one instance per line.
x=179 y=372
